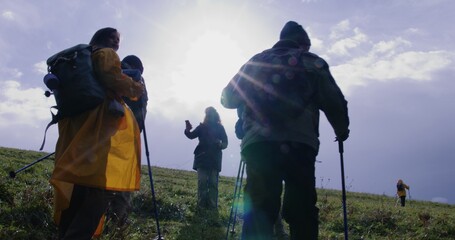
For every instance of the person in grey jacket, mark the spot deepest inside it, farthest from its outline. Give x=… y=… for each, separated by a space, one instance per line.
x=287 y=151
x=207 y=156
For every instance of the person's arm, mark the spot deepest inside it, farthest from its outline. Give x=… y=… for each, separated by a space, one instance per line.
x=144 y=97
x=107 y=68
x=232 y=95
x=332 y=102
x=191 y=134
x=143 y=100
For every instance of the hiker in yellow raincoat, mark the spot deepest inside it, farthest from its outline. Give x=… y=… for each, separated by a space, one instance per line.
x=401 y=191
x=97 y=151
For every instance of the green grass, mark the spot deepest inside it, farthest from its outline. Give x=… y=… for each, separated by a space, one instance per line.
x=26 y=208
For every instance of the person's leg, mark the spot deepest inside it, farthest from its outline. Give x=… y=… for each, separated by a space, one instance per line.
x=300 y=197
x=262 y=195
x=110 y=199
x=403 y=200
x=202 y=194
x=85 y=214
x=213 y=189
x=120 y=207
x=77 y=197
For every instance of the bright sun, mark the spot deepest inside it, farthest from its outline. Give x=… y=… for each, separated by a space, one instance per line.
x=210 y=61
x=204 y=47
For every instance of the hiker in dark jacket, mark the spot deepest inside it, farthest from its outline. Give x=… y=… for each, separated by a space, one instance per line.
x=139 y=107
x=119 y=202
x=207 y=156
x=286 y=151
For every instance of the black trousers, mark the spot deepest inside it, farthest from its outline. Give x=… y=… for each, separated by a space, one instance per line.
x=81 y=219
x=403 y=200
x=268 y=164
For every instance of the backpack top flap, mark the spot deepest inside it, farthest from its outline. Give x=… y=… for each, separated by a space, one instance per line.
x=51 y=61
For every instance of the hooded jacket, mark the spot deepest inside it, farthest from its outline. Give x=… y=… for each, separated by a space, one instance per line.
x=212 y=139
x=321 y=93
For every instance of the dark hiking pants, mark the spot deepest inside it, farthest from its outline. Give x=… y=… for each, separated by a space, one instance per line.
x=403 y=200
x=81 y=219
x=207 y=188
x=267 y=165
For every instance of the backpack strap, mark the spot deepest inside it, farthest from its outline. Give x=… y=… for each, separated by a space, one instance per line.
x=54 y=120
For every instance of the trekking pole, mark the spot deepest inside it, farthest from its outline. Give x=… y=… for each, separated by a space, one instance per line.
x=238 y=197
x=238 y=184
x=151 y=183
x=345 y=217
x=12 y=174
x=409 y=197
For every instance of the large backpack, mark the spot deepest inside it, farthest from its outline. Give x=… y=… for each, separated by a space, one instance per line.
x=277 y=85
x=73 y=83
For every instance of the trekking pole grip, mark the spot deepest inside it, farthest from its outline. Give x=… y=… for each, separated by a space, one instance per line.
x=340 y=146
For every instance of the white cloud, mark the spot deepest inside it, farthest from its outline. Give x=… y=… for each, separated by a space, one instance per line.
x=40 y=67
x=340 y=29
x=8 y=15
x=22 y=106
x=317 y=45
x=390 y=47
x=412 y=65
x=11 y=72
x=440 y=200
x=23 y=15
x=388 y=60
x=343 y=46
x=413 y=30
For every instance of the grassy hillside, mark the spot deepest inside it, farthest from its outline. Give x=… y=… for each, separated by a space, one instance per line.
x=26 y=208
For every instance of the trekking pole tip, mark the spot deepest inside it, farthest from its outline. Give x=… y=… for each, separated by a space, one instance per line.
x=12 y=174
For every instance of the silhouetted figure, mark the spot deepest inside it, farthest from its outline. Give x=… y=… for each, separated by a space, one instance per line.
x=133 y=63
x=401 y=191
x=98 y=150
x=120 y=206
x=207 y=156
x=283 y=146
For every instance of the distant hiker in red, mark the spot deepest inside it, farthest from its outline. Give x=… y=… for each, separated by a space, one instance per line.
x=207 y=156
x=401 y=191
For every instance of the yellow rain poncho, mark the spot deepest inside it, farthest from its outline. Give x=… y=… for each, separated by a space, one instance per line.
x=402 y=192
x=98 y=149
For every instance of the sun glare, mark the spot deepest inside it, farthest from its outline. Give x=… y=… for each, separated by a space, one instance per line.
x=205 y=45
x=210 y=61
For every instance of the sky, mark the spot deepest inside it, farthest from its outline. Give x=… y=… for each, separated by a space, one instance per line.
x=393 y=60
